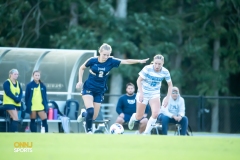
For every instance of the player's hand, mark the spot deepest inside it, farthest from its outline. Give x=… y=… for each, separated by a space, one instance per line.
x=165 y=103
x=143 y=60
x=179 y=118
x=79 y=84
x=175 y=118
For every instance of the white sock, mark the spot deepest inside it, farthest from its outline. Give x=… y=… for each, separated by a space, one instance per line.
x=149 y=125
x=134 y=117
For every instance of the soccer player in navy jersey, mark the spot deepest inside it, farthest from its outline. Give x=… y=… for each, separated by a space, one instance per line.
x=95 y=86
x=149 y=84
x=126 y=106
x=12 y=98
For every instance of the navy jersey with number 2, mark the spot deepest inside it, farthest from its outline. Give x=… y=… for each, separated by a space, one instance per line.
x=98 y=74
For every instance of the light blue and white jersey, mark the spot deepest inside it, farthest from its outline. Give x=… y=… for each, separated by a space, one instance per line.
x=152 y=80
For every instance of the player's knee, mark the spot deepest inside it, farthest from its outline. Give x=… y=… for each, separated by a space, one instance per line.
x=164 y=119
x=184 y=119
x=119 y=120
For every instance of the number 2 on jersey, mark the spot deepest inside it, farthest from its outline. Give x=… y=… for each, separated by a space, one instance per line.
x=100 y=74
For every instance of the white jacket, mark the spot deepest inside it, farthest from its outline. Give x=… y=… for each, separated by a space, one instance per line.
x=174 y=107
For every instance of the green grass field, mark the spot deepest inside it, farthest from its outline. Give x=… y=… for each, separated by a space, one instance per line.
x=123 y=147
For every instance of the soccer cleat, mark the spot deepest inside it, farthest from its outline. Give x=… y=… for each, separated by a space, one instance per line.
x=90 y=132
x=131 y=122
x=145 y=134
x=80 y=117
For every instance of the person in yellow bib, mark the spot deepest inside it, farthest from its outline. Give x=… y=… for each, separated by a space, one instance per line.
x=36 y=101
x=12 y=98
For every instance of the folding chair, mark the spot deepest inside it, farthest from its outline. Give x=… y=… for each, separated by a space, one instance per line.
x=157 y=129
x=71 y=109
x=100 y=125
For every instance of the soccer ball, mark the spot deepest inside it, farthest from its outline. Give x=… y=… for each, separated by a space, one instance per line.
x=116 y=128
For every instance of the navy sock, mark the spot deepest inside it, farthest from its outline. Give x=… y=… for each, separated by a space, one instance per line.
x=45 y=125
x=33 y=125
x=89 y=119
x=14 y=126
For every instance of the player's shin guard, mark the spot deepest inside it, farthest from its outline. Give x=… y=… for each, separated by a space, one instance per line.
x=149 y=126
x=33 y=125
x=45 y=125
x=89 y=119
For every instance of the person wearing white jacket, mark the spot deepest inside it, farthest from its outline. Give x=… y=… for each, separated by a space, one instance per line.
x=174 y=112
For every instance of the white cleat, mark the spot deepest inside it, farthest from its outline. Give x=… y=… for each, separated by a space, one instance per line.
x=131 y=122
x=90 y=132
x=80 y=117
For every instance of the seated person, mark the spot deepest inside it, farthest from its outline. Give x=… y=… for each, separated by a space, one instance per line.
x=126 y=106
x=174 y=113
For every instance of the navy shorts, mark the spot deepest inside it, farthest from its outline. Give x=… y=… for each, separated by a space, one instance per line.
x=97 y=97
x=127 y=117
x=11 y=107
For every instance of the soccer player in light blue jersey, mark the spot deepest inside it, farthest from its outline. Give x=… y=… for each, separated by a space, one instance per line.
x=149 y=84
x=95 y=86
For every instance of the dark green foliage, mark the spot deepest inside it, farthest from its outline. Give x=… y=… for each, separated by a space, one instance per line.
x=182 y=30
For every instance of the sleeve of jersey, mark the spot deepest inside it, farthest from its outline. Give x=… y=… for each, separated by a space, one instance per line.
x=115 y=62
x=89 y=62
x=143 y=73
x=168 y=77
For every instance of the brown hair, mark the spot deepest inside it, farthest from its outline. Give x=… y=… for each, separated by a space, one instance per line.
x=130 y=84
x=36 y=72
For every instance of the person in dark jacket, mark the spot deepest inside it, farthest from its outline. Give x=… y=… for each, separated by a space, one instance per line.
x=126 y=106
x=36 y=101
x=12 y=98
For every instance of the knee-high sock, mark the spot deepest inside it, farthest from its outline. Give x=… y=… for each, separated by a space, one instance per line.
x=14 y=126
x=45 y=125
x=33 y=125
x=89 y=119
x=149 y=125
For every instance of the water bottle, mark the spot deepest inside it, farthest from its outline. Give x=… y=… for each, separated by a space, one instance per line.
x=50 y=114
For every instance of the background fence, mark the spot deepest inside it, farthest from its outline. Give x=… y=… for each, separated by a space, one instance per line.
x=199 y=110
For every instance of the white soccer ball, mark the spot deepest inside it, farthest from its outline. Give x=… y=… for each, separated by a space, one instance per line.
x=116 y=128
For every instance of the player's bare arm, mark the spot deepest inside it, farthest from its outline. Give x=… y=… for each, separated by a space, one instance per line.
x=139 y=84
x=81 y=71
x=133 y=61
x=165 y=103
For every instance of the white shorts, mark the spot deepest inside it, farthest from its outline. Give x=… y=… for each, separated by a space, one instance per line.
x=146 y=98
